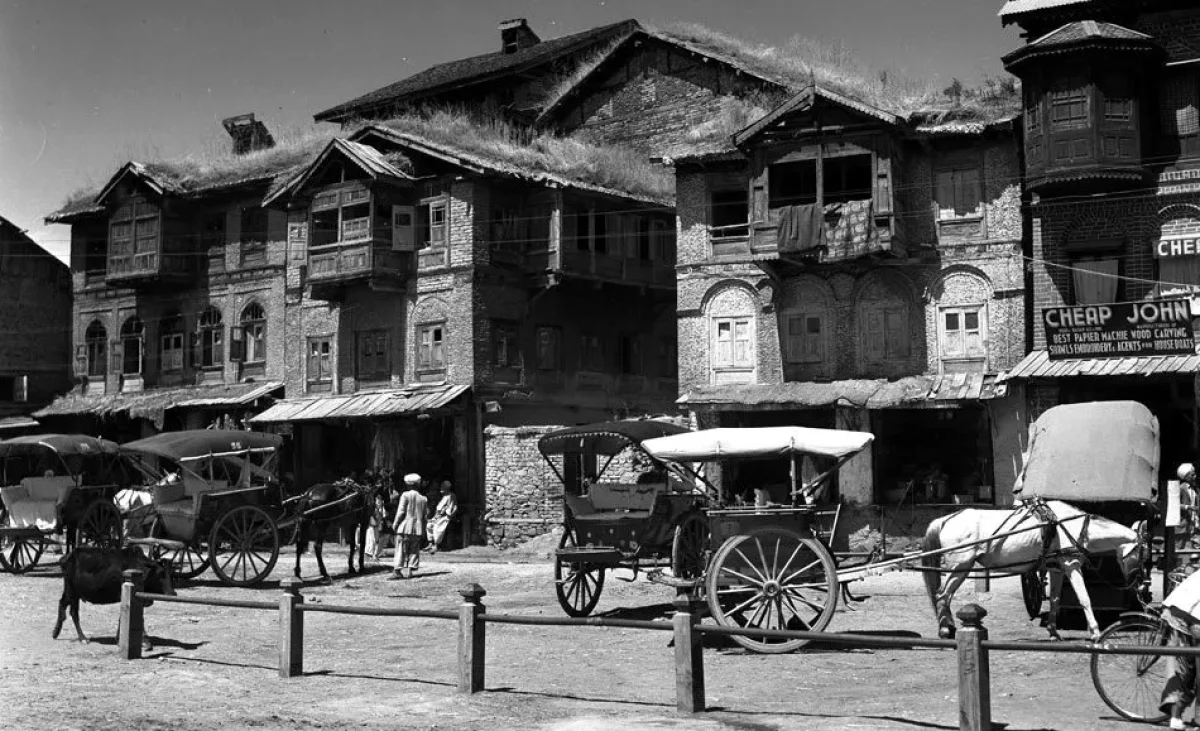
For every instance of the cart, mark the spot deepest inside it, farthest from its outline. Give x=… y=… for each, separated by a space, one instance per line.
x=771 y=566
x=613 y=520
x=215 y=501
x=56 y=484
x=1103 y=458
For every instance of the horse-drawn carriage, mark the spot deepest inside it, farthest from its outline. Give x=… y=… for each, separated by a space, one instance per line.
x=215 y=501
x=1103 y=458
x=56 y=484
x=764 y=565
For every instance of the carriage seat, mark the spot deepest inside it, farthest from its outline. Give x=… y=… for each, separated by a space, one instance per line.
x=608 y=501
x=183 y=498
x=35 y=502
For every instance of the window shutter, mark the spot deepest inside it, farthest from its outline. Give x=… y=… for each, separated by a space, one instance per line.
x=404 y=237
x=237 y=344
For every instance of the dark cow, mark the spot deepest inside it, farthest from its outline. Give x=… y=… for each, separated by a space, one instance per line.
x=95 y=575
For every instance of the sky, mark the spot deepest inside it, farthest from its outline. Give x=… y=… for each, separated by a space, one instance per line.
x=86 y=86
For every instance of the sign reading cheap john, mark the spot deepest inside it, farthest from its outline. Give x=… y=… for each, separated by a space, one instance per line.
x=1122 y=329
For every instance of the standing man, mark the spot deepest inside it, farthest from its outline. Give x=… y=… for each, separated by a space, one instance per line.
x=409 y=527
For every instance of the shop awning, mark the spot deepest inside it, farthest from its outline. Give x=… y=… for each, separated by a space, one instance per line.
x=373 y=404
x=152 y=403
x=924 y=391
x=1038 y=365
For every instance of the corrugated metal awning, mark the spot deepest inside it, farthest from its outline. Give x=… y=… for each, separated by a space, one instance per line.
x=922 y=391
x=392 y=402
x=1038 y=365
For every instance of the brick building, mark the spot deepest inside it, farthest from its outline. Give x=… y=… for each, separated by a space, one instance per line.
x=1111 y=141
x=844 y=266
x=178 y=314
x=35 y=317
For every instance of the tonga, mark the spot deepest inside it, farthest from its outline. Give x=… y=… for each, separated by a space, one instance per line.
x=608 y=523
x=771 y=566
x=216 y=501
x=56 y=483
x=1103 y=458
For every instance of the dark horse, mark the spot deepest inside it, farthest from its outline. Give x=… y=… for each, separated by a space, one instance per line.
x=343 y=504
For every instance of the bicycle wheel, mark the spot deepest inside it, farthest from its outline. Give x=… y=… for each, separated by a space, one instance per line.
x=1132 y=685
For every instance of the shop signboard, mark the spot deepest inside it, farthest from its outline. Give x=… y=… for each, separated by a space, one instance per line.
x=1120 y=330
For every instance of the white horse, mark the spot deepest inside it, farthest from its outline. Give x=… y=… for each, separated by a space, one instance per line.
x=1074 y=532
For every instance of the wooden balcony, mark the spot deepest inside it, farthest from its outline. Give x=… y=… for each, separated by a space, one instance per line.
x=333 y=267
x=150 y=268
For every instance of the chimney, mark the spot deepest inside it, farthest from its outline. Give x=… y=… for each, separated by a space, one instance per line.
x=516 y=34
x=248 y=134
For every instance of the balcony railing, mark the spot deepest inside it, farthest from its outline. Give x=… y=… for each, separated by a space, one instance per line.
x=342 y=262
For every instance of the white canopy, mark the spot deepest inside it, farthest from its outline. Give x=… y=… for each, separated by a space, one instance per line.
x=749 y=442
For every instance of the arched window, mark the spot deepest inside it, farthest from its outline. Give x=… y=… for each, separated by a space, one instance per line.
x=254 y=331
x=132 y=335
x=95 y=344
x=211 y=350
x=170 y=343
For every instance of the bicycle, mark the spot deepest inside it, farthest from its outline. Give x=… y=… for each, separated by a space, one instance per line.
x=1132 y=685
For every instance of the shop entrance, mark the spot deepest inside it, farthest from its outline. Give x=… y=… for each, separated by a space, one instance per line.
x=930 y=456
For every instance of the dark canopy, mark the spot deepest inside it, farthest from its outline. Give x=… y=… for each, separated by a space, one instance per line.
x=606 y=438
x=63 y=444
x=1098 y=451
x=197 y=443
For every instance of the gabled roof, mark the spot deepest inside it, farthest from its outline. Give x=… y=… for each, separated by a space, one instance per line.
x=477 y=69
x=1082 y=33
x=803 y=102
x=366 y=158
x=522 y=162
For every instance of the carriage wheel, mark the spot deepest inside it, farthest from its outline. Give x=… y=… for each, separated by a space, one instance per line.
x=578 y=585
x=20 y=554
x=243 y=546
x=1132 y=685
x=187 y=562
x=1033 y=589
x=99 y=526
x=688 y=547
x=772 y=578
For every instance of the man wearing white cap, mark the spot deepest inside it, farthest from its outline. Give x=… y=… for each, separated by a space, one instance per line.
x=409 y=527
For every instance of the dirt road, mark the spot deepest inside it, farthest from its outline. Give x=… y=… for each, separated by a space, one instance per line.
x=216 y=668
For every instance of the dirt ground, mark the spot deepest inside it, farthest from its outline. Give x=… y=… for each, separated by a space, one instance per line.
x=216 y=668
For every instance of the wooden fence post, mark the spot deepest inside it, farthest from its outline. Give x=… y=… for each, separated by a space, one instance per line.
x=689 y=656
x=291 y=629
x=132 y=621
x=974 y=675
x=471 y=639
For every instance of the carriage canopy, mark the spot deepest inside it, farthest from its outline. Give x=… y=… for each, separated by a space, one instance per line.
x=1098 y=451
x=605 y=438
x=757 y=442
x=195 y=444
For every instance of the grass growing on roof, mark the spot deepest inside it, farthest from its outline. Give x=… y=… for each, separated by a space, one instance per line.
x=501 y=142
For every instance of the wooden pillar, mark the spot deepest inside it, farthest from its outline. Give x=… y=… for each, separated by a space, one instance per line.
x=132 y=622
x=974 y=675
x=291 y=629
x=471 y=639
x=689 y=656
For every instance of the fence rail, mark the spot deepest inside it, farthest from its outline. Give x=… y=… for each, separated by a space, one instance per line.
x=971 y=645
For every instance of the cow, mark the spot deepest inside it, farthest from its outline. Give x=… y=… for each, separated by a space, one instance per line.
x=95 y=575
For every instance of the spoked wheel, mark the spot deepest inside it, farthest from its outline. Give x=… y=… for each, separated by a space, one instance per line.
x=1033 y=590
x=186 y=563
x=243 y=546
x=578 y=585
x=772 y=578
x=100 y=525
x=1132 y=685
x=20 y=554
x=688 y=547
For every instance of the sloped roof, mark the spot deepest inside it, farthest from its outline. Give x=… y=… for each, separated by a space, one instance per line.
x=526 y=162
x=477 y=69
